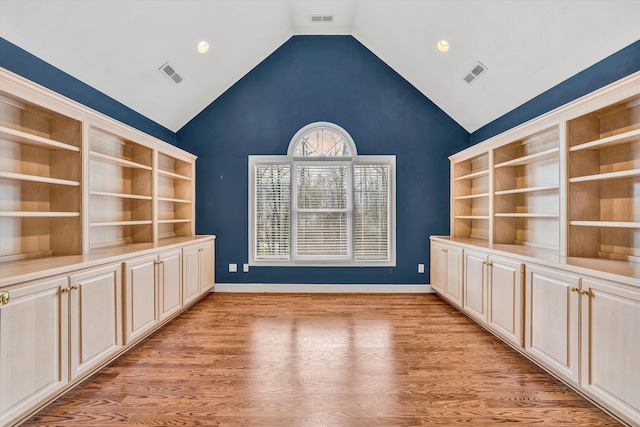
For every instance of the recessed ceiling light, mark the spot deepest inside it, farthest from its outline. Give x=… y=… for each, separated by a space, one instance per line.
x=203 y=46
x=443 y=46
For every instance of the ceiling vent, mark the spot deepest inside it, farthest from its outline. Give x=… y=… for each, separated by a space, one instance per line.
x=475 y=72
x=327 y=19
x=171 y=73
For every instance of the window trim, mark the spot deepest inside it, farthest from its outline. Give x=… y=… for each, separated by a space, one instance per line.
x=291 y=160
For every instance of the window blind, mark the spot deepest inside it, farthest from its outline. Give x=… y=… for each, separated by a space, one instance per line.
x=272 y=211
x=371 y=212
x=322 y=210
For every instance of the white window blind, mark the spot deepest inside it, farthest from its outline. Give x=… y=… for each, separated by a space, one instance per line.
x=322 y=204
x=371 y=212
x=322 y=209
x=272 y=207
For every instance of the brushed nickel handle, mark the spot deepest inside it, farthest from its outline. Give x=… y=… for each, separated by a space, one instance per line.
x=4 y=298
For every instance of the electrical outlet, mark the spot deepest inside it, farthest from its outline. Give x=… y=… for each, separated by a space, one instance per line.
x=233 y=268
x=420 y=268
x=245 y=268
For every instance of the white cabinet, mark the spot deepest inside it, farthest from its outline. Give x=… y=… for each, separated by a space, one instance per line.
x=610 y=340
x=475 y=285
x=505 y=298
x=493 y=293
x=206 y=266
x=141 y=303
x=588 y=332
x=552 y=319
x=198 y=275
x=153 y=287
x=170 y=283
x=34 y=336
x=53 y=333
x=446 y=272
x=96 y=318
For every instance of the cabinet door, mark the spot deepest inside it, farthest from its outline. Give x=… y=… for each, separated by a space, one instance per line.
x=33 y=346
x=610 y=352
x=475 y=285
x=141 y=313
x=96 y=313
x=437 y=267
x=170 y=283
x=206 y=263
x=504 y=299
x=551 y=334
x=191 y=274
x=454 y=273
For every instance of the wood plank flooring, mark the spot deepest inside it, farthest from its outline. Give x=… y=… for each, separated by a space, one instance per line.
x=322 y=360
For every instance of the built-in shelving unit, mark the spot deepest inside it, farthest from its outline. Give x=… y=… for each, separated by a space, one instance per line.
x=121 y=189
x=74 y=181
x=567 y=182
x=604 y=182
x=40 y=181
x=175 y=197
x=526 y=182
x=471 y=197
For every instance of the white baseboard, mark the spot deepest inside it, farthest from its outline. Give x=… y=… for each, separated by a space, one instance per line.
x=309 y=288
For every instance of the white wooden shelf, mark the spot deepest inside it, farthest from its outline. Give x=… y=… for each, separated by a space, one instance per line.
x=478 y=174
x=472 y=196
x=611 y=141
x=118 y=161
x=21 y=137
x=120 y=195
x=36 y=178
x=631 y=173
x=537 y=157
x=173 y=175
x=33 y=214
x=610 y=224
x=169 y=199
x=472 y=217
x=172 y=221
x=119 y=223
x=528 y=190
x=526 y=215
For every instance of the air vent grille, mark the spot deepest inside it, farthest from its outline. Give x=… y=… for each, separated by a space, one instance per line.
x=475 y=72
x=327 y=19
x=171 y=73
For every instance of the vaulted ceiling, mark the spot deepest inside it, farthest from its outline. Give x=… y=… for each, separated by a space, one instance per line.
x=118 y=46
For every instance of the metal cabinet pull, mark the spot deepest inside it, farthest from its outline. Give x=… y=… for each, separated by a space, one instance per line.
x=4 y=298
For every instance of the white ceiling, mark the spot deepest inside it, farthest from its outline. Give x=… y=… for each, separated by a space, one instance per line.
x=117 y=46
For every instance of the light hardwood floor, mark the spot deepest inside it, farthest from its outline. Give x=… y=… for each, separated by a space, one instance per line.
x=322 y=360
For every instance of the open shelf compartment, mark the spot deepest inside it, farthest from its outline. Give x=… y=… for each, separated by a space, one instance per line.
x=40 y=176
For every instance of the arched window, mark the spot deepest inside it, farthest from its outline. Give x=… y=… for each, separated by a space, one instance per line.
x=322 y=204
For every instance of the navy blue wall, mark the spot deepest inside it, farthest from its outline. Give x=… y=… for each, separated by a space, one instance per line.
x=33 y=68
x=610 y=69
x=334 y=79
